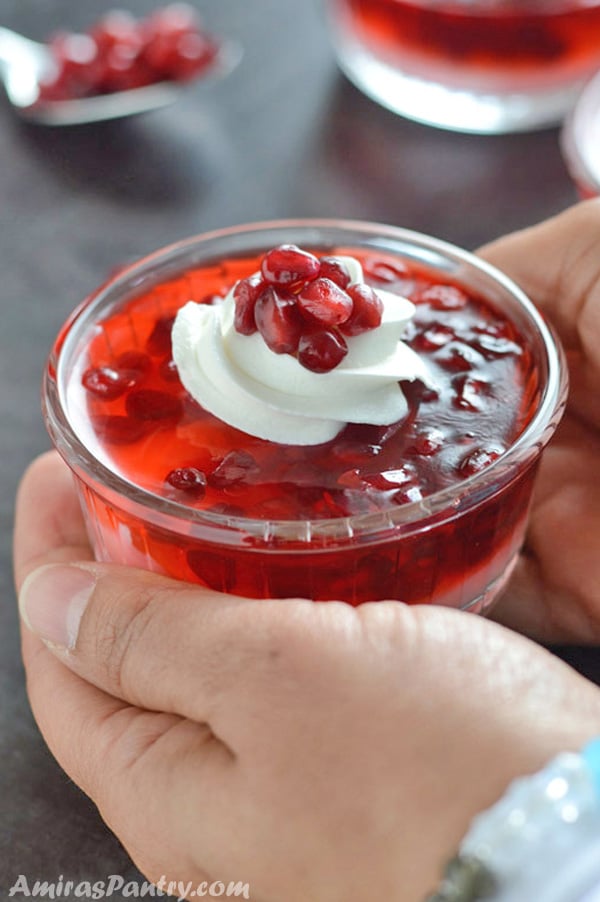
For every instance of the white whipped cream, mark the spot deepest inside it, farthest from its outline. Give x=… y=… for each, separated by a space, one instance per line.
x=272 y=396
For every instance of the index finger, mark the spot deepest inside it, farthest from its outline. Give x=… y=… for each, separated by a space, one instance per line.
x=49 y=524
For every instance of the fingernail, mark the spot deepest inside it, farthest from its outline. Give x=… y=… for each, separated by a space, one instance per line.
x=52 y=602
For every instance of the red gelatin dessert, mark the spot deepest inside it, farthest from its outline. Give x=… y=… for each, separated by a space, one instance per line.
x=121 y=53
x=540 y=51
x=231 y=418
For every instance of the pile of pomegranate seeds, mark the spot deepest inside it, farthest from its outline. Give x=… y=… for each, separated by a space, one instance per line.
x=120 y=53
x=305 y=306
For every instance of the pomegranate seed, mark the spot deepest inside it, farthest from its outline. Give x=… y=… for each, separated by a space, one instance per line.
x=135 y=365
x=444 y=297
x=497 y=329
x=175 y=18
x=77 y=49
x=193 y=53
x=287 y=266
x=176 y=47
x=77 y=59
x=117 y=29
x=106 y=383
x=408 y=496
x=150 y=404
x=278 y=321
x=391 y=479
x=178 y=56
x=321 y=351
x=367 y=310
x=119 y=41
x=334 y=269
x=134 y=362
x=122 y=70
x=458 y=358
x=478 y=460
x=324 y=302
x=245 y=294
x=237 y=467
x=429 y=394
x=470 y=393
x=117 y=430
x=384 y=271
x=159 y=340
x=362 y=502
x=320 y=503
x=351 y=479
x=333 y=504
x=188 y=479
x=497 y=347
x=428 y=442
x=434 y=337
x=416 y=392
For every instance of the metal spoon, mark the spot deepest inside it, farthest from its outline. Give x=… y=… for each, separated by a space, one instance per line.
x=24 y=63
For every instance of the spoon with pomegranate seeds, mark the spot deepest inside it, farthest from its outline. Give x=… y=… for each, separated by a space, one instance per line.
x=120 y=67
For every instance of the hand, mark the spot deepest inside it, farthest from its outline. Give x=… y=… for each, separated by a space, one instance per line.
x=555 y=593
x=314 y=751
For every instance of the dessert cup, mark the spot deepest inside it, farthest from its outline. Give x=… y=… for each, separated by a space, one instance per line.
x=482 y=66
x=454 y=546
x=580 y=140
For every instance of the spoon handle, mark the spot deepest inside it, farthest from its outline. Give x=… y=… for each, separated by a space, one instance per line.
x=13 y=46
x=22 y=63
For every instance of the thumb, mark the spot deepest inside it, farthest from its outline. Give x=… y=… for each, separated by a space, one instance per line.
x=149 y=641
x=557 y=263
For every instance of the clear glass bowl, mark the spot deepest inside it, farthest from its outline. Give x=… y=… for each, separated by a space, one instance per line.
x=580 y=140
x=453 y=547
x=482 y=66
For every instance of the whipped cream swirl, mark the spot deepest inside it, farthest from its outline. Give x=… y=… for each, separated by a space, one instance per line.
x=272 y=396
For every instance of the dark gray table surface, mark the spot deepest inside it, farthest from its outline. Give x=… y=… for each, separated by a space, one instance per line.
x=285 y=135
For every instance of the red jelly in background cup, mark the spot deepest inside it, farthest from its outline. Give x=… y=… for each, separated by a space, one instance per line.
x=431 y=509
x=482 y=66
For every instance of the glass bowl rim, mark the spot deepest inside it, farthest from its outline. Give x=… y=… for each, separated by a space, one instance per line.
x=415 y=514
x=542 y=7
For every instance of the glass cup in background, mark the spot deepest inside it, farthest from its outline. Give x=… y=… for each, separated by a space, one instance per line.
x=454 y=547
x=580 y=141
x=482 y=66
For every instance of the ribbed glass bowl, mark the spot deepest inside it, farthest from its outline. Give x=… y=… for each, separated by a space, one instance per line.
x=454 y=547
